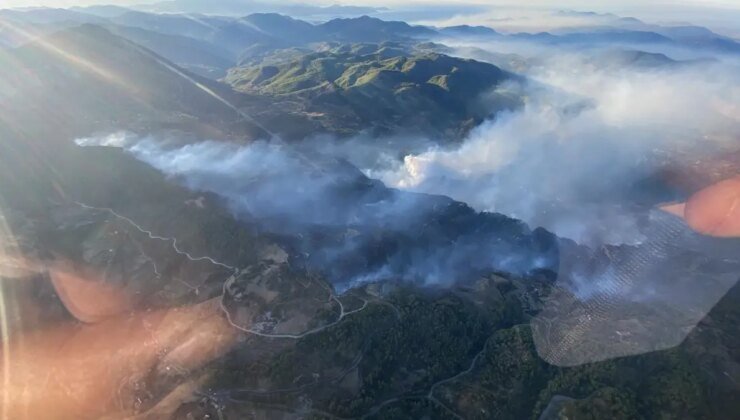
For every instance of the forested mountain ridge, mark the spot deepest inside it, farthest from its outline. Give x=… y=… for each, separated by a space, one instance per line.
x=381 y=86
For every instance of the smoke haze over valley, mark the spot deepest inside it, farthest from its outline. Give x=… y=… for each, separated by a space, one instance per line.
x=576 y=158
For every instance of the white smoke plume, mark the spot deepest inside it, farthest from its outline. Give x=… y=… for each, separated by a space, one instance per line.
x=350 y=227
x=587 y=135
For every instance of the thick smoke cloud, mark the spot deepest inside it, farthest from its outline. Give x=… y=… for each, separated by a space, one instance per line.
x=590 y=133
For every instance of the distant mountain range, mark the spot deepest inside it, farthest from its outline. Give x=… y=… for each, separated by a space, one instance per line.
x=219 y=42
x=297 y=76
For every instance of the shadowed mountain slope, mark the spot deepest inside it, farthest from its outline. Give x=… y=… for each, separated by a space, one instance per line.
x=86 y=78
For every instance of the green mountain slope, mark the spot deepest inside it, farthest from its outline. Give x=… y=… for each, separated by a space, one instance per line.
x=378 y=85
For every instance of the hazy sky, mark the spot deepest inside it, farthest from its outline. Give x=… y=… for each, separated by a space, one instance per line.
x=720 y=15
x=580 y=4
